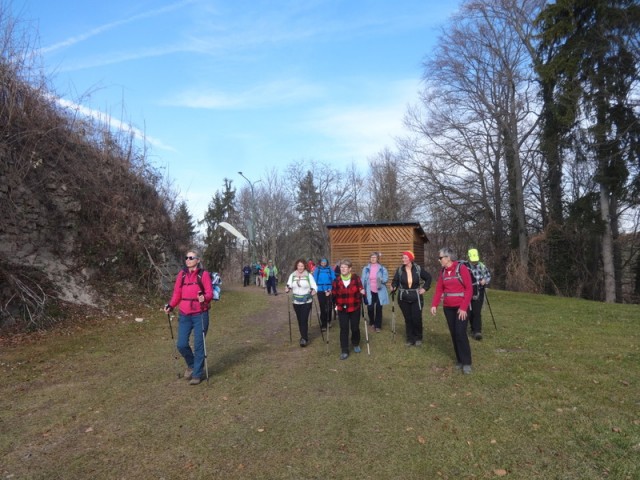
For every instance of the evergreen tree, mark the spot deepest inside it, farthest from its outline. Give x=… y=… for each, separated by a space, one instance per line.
x=308 y=208
x=184 y=230
x=217 y=243
x=591 y=64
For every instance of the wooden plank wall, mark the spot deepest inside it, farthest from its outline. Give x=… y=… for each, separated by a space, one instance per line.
x=357 y=244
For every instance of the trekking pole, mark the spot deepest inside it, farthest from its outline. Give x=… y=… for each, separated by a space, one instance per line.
x=366 y=330
x=289 y=310
x=318 y=315
x=328 y=303
x=204 y=338
x=175 y=348
x=204 y=346
x=328 y=318
x=486 y=297
x=325 y=339
x=393 y=315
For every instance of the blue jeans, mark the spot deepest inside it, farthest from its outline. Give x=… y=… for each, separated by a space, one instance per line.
x=197 y=323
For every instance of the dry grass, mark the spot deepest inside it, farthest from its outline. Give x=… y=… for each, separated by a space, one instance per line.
x=554 y=394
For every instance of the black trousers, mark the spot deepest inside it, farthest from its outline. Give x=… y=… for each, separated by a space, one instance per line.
x=302 y=314
x=475 y=315
x=246 y=280
x=271 y=285
x=458 y=331
x=374 y=310
x=349 y=321
x=326 y=303
x=412 y=314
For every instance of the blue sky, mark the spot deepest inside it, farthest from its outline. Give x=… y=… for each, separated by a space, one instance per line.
x=250 y=85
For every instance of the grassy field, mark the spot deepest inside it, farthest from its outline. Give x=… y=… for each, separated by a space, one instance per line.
x=554 y=395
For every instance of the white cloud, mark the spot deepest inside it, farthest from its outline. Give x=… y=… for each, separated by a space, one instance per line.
x=274 y=93
x=364 y=130
x=113 y=123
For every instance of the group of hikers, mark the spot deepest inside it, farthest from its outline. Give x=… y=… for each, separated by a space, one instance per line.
x=342 y=293
x=265 y=273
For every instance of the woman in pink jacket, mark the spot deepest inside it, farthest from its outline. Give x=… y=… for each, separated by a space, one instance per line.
x=192 y=293
x=455 y=286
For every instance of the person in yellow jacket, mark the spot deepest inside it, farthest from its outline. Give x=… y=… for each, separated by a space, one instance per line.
x=271 y=275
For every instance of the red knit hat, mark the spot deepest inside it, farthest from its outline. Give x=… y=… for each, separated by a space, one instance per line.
x=409 y=254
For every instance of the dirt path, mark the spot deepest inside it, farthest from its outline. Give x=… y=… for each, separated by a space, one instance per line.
x=273 y=322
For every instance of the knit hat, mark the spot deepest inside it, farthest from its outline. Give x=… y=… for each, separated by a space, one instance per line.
x=409 y=254
x=474 y=256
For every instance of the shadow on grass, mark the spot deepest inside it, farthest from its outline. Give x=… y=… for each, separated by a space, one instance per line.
x=220 y=363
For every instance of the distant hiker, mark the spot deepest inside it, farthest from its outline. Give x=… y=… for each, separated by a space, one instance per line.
x=347 y=291
x=246 y=273
x=411 y=281
x=302 y=286
x=192 y=293
x=271 y=275
x=311 y=266
x=258 y=272
x=481 y=277
x=324 y=277
x=374 y=279
x=455 y=286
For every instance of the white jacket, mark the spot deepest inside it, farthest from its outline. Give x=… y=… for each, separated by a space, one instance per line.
x=301 y=286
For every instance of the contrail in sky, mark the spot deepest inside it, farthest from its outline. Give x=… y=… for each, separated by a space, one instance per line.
x=103 y=28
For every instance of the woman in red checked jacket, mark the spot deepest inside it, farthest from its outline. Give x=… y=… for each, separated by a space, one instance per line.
x=192 y=293
x=347 y=291
x=455 y=286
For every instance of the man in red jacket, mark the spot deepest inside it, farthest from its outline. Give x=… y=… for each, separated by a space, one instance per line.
x=455 y=286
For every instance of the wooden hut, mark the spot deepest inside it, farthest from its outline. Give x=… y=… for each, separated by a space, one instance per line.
x=356 y=241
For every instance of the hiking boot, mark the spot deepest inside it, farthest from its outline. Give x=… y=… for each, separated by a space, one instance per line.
x=458 y=366
x=187 y=373
x=303 y=342
x=344 y=356
x=418 y=343
x=477 y=336
x=466 y=369
x=323 y=329
x=194 y=381
x=378 y=330
x=357 y=349
x=409 y=344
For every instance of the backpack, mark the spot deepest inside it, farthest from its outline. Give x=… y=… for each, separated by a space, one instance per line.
x=474 y=281
x=418 y=270
x=409 y=295
x=198 y=279
x=216 y=281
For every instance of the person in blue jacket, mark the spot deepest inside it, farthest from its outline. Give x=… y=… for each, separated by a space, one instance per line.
x=324 y=276
x=374 y=279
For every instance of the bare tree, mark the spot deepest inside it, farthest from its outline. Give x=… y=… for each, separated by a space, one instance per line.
x=473 y=144
x=389 y=199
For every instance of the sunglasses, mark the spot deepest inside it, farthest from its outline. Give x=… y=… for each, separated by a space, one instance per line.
x=444 y=256
x=190 y=258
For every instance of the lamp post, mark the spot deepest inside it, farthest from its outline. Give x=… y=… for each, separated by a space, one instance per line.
x=252 y=237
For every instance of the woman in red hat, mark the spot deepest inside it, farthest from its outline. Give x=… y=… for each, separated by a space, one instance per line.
x=411 y=282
